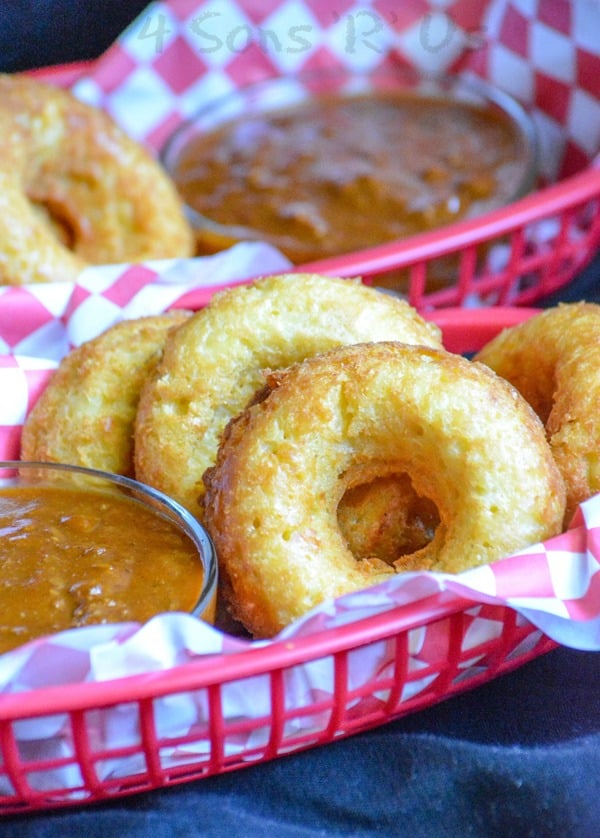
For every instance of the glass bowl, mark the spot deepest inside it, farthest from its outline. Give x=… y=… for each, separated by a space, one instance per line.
x=280 y=161
x=85 y=547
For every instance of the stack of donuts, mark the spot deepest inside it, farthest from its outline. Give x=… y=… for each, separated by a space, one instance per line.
x=75 y=190
x=326 y=438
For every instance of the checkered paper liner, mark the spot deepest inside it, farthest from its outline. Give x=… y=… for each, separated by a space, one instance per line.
x=40 y=323
x=179 y=55
x=552 y=587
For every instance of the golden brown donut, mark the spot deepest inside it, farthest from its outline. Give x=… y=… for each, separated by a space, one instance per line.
x=213 y=365
x=85 y=416
x=467 y=439
x=75 y=190
x=553 y=359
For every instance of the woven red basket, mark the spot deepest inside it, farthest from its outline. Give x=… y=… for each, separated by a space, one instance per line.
x=427 y=650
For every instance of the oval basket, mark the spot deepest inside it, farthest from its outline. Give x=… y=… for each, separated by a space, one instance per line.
x=428 y=649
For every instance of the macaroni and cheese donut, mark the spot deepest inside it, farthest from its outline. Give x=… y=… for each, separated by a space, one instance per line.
x=213 y=365
x=467 y=439
x=85 y=416
x=75 y=190
x=553 y=359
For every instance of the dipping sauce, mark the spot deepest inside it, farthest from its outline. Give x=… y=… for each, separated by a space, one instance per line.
x=71 y=557
x=336 y=173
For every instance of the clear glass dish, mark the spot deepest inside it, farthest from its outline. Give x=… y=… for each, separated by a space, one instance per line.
x=249 y=112
x=79 y=567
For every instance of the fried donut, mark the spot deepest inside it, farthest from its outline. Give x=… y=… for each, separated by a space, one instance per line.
x=213 y=365
x=75 y=190
x=85 y=416
x=553 y=359
x=467 y=439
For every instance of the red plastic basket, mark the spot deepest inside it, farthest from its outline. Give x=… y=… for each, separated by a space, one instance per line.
x=89 y=771
x=543 y=241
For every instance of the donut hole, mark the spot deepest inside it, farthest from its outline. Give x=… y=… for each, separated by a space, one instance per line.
x=55 y=218
x=386 y=518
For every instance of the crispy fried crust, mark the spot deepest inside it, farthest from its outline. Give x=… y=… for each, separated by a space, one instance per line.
x=214 y=364
x=553 y=359
x=85 y=416
x=75 y=190
x=467 y=439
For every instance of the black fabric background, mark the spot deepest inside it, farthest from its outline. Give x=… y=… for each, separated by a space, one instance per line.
x=518 y=757
x=37 y=33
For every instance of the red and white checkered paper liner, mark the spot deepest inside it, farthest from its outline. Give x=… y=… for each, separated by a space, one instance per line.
x=555 y=586
x=179 y=55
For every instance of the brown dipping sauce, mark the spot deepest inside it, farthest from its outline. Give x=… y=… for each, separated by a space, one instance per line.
x=73 y=557
x=341 y=173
